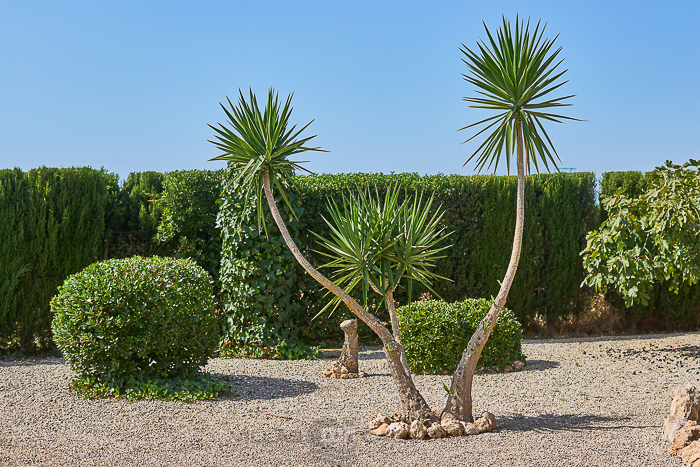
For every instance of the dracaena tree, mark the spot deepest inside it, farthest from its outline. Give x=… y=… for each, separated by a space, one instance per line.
x=376 y=244
x=257 y=145
x=514 y=73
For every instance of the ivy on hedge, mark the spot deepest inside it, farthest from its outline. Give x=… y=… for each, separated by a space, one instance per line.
x=262 y=312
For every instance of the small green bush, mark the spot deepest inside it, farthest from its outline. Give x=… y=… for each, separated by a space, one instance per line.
x=138 y=327
x=434 y=334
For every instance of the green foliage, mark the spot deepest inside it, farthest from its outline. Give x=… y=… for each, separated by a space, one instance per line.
x=651 y=239
x=53 y=222
x=189 y=208
x=434 y=334
x=379 y=242
x=480 y=210
x=258 y=144
x=513 y=73
x=196 y=387
x=126 y=324
x=133 y=217
x=633 y=184
x=261 y=299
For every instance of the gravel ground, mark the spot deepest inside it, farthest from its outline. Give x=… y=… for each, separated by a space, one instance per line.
x=579 y=402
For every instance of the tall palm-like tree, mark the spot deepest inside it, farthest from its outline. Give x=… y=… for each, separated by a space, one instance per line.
x=514 y=73
x=257 y=145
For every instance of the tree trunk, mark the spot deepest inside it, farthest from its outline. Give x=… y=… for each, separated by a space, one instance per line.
x=391 y=306
x=412 y=401
x=459 y=399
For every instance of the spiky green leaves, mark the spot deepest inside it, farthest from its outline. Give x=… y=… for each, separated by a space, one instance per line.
x=380 y=242
x=513 y=73
x=256 y=142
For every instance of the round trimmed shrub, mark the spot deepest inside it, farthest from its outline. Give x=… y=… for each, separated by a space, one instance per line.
x=434 y=334
x=138 y=320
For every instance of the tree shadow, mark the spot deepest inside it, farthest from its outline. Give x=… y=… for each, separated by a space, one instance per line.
x=541 y=365
x=569 y=422
x=635 y=337
x=245 y=387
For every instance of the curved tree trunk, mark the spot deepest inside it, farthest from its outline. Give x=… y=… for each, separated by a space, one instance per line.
x=459 y=400
x=412 y=401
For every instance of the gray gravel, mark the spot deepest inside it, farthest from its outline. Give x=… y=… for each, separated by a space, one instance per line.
x=580 y=402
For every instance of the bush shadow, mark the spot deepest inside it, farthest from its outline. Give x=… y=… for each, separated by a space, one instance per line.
x=244 y=387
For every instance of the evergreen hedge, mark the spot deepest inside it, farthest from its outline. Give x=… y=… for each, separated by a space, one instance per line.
x=559 y=210
x=52 y=224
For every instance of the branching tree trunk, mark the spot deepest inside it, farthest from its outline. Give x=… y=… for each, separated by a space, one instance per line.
x=412 y=401
x=459 y=400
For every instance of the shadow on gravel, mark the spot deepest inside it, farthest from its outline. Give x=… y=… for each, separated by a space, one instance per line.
x=540 y=365
x=32 y=362
x=372 y=354
x=549 y=422
x=263 y=388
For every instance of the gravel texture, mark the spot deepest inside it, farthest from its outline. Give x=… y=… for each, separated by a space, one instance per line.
x=579 y=402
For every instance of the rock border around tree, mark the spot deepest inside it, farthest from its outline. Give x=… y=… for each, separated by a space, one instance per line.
x=399 y=426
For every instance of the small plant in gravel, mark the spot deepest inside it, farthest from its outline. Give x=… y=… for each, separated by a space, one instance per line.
x=139 y=328
x=435 y=332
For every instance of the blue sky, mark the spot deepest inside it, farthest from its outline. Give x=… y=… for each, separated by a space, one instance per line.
x=132 y=85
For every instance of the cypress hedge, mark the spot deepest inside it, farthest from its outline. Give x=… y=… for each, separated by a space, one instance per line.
x=53 y=223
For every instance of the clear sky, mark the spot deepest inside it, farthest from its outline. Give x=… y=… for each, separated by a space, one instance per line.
x=131 y=85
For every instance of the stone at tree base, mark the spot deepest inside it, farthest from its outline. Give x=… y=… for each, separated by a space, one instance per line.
x=398 y=430
x=671 y=426
x=351 y=347
x=418 y=430
x=469 y=429
x=691 y=453
x=686 y=402
x=436 y=431
x=454 y=429
x=518 y=365
x=380 y=430
x=686 y=435
x=486 y=423
x=379 y=421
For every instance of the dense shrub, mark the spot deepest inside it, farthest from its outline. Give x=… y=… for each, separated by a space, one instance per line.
x=666 y=310
x=434 y=334
x=133 y=217
x=189 y=206
x=130 y=326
